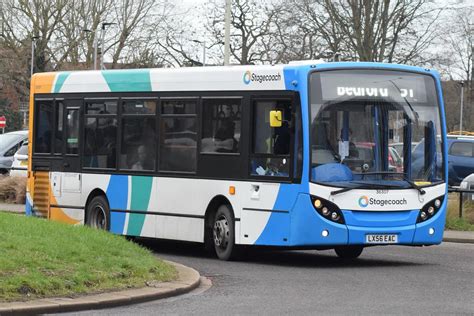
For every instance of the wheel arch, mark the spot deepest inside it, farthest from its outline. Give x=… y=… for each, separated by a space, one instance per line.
x=93 y=194
x=211 y=210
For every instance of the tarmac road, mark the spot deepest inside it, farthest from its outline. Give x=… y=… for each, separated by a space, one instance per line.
x=394 y=280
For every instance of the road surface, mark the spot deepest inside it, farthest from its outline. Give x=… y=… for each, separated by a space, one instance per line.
x=395 y=280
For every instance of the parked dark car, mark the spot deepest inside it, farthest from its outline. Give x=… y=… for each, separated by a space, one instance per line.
x=460 y=158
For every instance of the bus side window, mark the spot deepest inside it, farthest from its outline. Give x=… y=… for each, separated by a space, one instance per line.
x=100 y=131
x=221 y=125
x=178 y=136
x=138 y=135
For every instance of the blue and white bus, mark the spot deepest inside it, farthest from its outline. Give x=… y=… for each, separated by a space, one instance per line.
x=295 y=155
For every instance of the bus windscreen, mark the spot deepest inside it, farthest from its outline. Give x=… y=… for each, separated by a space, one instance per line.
x=360 y=117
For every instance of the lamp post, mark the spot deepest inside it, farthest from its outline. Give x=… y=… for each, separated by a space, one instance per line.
x=203 y=43
x=33 y=41
x=462 y=103
x=104 y=25
x=227 y=32
x=94 y=45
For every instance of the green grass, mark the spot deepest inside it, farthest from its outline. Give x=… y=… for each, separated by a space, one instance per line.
x=453 y=222
x=40 y=258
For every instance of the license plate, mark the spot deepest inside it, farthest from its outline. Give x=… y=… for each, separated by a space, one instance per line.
x=381 y=239
x=24 y=163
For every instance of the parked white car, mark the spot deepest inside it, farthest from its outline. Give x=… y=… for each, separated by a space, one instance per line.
x=468 y=184
x=9 y=145
x=20 y=162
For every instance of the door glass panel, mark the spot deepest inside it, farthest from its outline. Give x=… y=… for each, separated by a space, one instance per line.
x=271 y=145
x=44 y=126
x=72 y=138
x=58 y=139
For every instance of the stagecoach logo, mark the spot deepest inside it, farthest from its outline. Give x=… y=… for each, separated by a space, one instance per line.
x=260 y=78
x=363 y=201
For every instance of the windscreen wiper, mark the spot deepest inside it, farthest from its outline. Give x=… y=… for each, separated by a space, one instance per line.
x=414 y=185
x=411 y=183
x=406 y=101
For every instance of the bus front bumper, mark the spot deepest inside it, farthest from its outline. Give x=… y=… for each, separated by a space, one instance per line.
x=308 y=228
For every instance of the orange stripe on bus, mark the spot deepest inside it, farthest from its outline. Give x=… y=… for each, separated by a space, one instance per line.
x=58 y=214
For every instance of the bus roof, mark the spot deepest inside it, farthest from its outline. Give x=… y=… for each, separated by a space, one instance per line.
x=212 y=78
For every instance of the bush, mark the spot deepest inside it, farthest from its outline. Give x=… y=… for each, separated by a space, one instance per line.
x=13 y=189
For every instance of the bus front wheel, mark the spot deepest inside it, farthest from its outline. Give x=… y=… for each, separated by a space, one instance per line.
x=348 y=252
x=98 y=213
x=223 y=233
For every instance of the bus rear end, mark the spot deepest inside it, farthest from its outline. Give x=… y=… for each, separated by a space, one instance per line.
x=362 y=195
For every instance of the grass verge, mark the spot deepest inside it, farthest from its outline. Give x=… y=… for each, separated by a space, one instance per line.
x=42 y=258
x=453 y=222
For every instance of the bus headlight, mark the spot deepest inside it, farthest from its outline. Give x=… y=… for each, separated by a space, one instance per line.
x=327 y=209
x=430 y=209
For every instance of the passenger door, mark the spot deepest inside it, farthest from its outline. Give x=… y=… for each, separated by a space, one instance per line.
x=271 y=165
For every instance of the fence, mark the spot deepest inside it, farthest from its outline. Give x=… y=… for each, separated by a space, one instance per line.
x=461 y=200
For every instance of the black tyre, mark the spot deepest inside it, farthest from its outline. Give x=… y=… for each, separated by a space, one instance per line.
x=98 y=213
x=223 y=233
x=348 y=252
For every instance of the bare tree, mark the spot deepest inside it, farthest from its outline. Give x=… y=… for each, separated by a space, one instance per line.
x=251 y=26
x=74 y=46
x=369 y=30
x=453 y=56
x=23 y=19
x=129 y=15
x=304 y=30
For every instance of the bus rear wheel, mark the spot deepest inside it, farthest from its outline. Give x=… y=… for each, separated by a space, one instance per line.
x=348 y=252
x=98 y=213
x=223 y=233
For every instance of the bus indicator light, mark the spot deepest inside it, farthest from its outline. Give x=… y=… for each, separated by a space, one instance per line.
x=232 y=190
x=325 y=233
